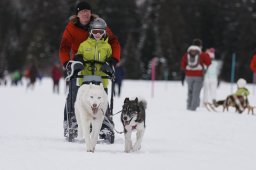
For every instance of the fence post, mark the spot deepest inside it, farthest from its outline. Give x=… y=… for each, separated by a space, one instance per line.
x=153 y=76
x=233 y=69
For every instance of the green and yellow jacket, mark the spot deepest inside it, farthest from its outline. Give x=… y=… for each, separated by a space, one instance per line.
x=95 y=50
x=242 y=92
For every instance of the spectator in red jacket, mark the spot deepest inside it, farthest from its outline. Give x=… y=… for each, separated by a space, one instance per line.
x=253 y=67
x=32 y=74
x=193 y=64
x=56 y=75
x=76 y=31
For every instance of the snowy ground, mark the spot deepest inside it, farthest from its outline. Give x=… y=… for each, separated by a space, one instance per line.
x=31 y=133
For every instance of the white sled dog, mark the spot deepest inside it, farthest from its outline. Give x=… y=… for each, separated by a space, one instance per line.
x=90 y=107
x=133 y=118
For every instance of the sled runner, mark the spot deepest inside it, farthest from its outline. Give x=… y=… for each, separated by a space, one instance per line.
x=107 y=129
x=210 y=107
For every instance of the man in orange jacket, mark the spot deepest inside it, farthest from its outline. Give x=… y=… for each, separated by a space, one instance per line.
x=76 y=31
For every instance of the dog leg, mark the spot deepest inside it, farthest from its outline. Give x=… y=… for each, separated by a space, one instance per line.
x=78 y=118
x=139 y=136
x=86 y=130
x=96 y=125
x=249 y=109
x=128 y=141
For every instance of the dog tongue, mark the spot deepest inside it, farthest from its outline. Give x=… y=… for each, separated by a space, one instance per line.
x=94 y=109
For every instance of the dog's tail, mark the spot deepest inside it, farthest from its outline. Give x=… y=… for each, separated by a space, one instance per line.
x=144 y=103
x=218 y=103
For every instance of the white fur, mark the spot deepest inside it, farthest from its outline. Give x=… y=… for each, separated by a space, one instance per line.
x=87 y=96
x=140 y=129
x=128 y=137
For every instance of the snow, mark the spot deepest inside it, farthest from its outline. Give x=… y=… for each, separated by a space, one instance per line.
x=31 y=133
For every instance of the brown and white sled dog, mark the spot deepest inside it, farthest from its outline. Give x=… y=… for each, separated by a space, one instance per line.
x=133 y=118
x=240 y=103
x=90 y=107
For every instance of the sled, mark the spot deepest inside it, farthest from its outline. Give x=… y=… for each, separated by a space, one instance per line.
x=210 y=107
x=107 y=131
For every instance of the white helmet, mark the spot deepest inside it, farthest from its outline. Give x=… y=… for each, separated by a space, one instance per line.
x=98 y=23
x=98 y=28
x=241 y=83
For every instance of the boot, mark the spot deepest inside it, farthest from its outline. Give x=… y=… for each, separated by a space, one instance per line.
x=107 y=131
x=65 y=126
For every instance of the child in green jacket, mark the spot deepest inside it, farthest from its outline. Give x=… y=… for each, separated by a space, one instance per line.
x=97 y=48
x=241 y=89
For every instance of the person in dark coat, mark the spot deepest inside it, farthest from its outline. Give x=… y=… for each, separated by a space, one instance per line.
x=119 y=76
x=32 y=73
x=56 y=75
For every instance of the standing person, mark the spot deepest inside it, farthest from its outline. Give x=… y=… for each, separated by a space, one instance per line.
x=76 y=31
x=253 y=67
x=56 y=75
x=119 y=76
x=16 y=78
x=193 y=64
x=32 y=75
x=211 y=78
x=3 y=73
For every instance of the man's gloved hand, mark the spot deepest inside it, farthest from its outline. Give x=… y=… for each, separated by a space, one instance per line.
x=73 y=67
x=79 y=57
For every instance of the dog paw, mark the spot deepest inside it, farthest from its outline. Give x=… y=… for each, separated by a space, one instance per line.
x=136 y=147
x=127 y=150
x=90 y=150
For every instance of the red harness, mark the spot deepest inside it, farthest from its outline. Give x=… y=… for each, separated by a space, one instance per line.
x=134 y=127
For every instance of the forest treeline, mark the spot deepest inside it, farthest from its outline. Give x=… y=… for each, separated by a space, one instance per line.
x=30 y=31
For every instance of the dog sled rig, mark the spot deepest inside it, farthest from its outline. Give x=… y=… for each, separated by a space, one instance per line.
x=107 y=129
x=240 y=103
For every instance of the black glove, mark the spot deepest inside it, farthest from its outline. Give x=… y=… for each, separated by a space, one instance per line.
x=182 y=77
x=79 y=57
x=73 y=67
x=65 y=65
x=107 y=68
x=112 y=61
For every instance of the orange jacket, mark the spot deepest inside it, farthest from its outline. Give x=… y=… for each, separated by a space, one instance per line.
x=72 y=37
x=253 y=63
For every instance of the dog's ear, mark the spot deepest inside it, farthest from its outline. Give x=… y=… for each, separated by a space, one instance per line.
x=90 y=84
x=101 y=85
x=126 y=100
x=136 y=99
